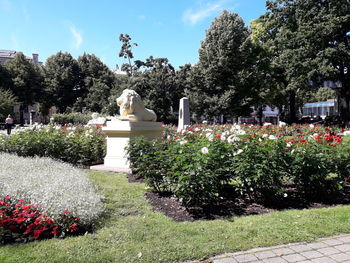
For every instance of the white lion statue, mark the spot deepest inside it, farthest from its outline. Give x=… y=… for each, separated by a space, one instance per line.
x=132 y=107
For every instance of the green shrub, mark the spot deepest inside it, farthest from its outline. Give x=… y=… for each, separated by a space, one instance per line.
x=76 y=145
x=71 y=118
x=259 y=167
x=259 y=162
x=189 y=170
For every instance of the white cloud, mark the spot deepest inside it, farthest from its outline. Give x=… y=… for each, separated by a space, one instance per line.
x=194 y=17
x=142 y=17
x=205 y=10
x=78 y=37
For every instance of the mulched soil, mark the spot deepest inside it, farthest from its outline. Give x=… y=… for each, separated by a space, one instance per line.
x=230 y=205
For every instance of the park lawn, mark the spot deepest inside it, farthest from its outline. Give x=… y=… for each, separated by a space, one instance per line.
x=131 y=232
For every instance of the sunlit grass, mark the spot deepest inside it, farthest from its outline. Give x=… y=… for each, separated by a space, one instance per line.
x=131 y=232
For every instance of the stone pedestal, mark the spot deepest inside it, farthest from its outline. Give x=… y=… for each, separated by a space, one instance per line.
x=119 y=134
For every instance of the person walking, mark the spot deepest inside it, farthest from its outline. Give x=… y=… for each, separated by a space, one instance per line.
x=9 y=123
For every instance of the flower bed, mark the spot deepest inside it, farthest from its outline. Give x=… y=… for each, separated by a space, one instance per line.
x=22 y=222
x=73 y=144
x=262 y=163
x=37 y=194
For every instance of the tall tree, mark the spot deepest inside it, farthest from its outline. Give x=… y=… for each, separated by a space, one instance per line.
x=27 y=81
x=157 y=87
x=126 y=52
x=62 y=79
x=97 y=81
x=222 y=59
x=313 y=37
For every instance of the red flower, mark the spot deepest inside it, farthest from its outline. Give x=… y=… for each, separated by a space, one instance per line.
x=29 y=228
x=55 y=231
x=73 y=227
x=7 y=197
x=37 y=233
x=19 y=220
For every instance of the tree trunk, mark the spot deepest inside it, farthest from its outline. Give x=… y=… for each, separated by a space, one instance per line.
x=259 y=114
x=292 y=108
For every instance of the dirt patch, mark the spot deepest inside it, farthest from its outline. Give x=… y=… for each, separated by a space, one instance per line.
x=231 y=205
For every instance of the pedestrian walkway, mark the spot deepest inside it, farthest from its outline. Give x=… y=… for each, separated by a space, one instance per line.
x=324 y=250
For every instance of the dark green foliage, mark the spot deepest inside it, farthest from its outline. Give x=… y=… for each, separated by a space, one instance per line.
x=311 y=42
x=97 y=80
x=26 y=79
x=157 y=87
x=7 y=101
x=5 y=79
x=62 y=80
x=219 y=85
x=71 y=118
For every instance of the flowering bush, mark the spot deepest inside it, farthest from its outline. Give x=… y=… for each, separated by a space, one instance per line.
x=56 y=186
x=257 y=161
x=21 y=222
x=73 y=144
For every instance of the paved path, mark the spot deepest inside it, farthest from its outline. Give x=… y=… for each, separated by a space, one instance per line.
x=324 y=250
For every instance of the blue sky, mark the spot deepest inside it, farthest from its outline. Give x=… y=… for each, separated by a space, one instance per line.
x=162 y=28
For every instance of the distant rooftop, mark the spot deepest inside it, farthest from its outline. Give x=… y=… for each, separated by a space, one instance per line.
x=9 y=54
x=328 y=103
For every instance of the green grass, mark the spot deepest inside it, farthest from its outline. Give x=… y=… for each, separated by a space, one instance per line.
x=130 y=226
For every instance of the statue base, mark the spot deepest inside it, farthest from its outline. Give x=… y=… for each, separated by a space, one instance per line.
x=119 y=134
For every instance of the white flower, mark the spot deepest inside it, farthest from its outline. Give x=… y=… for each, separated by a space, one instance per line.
x=71 y=134
x=183 y=142
x=233 y=138
x=240 y=132
x=282 y=124
x=238 y=152
x=265 y=135
x=267 y=124
x=272 y=137
x=205 y=150
x=312 y=126
x=289 y=144
x=346 y=133
x=285 y=195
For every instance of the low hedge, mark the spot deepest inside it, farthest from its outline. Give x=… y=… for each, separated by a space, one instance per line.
x=72 y=144
x=71 y=118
